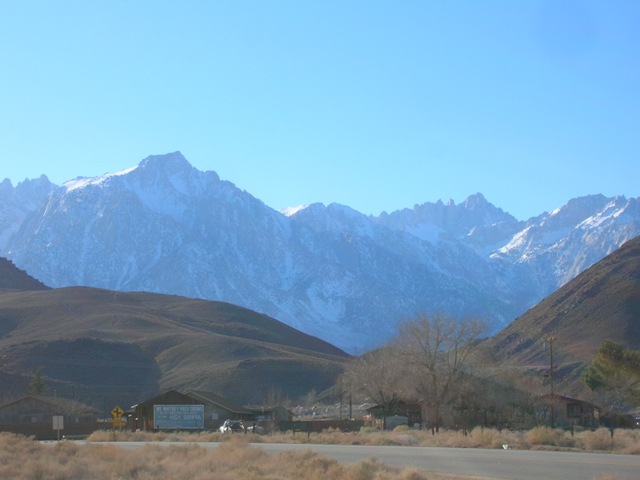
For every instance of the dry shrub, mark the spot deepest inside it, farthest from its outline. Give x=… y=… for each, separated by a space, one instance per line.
x=22 y=458
x=627 y=441
x=372 y=469
x=126 y=436
x=308 y=465
x=163 y=436
x=600 y=440
x=333 y=436
x=487 y=437
x=554 y=437
x=368 y=430
x=460 y=440
x=623 y=441
x=481 y=437
x=405 y=439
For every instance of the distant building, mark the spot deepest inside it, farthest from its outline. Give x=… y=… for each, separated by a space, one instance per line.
x=32 y=415
x=274 y=414
x=216 y=409
x=41 y=409
x=567 y=411
x=407 y=413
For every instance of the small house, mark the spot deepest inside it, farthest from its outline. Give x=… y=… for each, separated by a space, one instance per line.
x=41 y=409
x=569 y=411
x=33 y=415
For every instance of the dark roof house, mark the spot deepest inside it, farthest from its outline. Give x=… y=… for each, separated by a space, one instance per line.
x=565 y=411
x=33 y=415
x=39 y=408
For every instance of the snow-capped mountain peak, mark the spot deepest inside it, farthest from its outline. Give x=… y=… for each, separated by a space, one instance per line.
x=164 y=226
x=84 y=182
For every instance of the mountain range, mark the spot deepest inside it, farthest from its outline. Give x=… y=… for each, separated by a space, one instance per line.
x=326 y=270
x=105 y=347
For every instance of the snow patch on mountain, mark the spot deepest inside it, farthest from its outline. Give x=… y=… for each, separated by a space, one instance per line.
x=84 y=182
x=290 y=211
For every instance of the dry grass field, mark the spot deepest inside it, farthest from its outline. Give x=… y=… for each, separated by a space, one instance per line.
x=23 y=458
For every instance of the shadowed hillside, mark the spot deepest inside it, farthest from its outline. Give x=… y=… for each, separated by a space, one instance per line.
x=11 y=277
x=106 y=347
x=602 y=303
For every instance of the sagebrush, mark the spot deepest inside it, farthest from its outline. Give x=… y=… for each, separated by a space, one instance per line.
x=22 y=458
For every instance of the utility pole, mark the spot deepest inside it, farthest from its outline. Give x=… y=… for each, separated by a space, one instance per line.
x=551 y=339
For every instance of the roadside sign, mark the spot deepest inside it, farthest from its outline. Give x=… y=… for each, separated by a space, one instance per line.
x=58 y=422
x=117 y=422
x=117 y=412
x=180 y=417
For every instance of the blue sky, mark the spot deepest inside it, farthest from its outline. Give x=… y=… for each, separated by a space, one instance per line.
x=379 y=105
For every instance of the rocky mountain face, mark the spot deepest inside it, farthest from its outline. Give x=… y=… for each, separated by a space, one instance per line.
x=329 y=271
x=16 y=203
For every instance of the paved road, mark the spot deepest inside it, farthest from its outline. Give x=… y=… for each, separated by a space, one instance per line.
x=499 y=464
x=494 y=464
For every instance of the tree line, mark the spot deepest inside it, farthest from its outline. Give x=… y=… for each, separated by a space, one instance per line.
x=437 y=363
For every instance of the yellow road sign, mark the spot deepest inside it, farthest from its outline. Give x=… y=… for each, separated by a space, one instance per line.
x=117 y=422
x=117 y=412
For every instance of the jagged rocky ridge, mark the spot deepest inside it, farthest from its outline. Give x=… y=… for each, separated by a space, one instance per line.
x=163 y=226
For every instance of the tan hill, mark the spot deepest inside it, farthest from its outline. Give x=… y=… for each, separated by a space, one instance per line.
x=104 y=347
x=602 y=303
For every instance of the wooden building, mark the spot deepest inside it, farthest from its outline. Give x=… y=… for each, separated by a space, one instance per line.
x=32 y=415
x=567 y=411
x=216 y=410
x=41 y=409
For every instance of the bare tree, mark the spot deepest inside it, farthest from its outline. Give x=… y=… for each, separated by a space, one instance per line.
x=275 y=396
x=379 y=376
x=436 y=348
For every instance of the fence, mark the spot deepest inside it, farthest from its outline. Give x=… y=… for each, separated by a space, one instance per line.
x=320 y=425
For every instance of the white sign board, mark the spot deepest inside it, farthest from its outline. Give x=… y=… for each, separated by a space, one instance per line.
x=58 y=422
x=178 y=417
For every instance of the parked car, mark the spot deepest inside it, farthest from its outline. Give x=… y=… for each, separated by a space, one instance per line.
x=232 y=426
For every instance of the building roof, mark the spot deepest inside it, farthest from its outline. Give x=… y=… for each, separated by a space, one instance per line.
x=215 y=399
x=163 y=397
x=567 y=398
x=65 y=405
